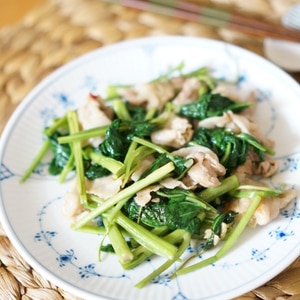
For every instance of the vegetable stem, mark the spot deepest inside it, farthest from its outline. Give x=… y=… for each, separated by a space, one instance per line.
x=141 y=253
x=228 y=184
x=113 y=165
x=74 y=128
x=68 y=167
x=83 y=135
x=45 y=147
x=57 y=123
x=118 y=242
x=186 y=238
x=150 y=145
x=229 y=242
x=37 y=160
x=133 y=158
x=126 y=193
x=121 y=110
x=146 y=238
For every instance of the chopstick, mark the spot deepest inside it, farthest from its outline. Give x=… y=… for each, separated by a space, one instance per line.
x=211 y=16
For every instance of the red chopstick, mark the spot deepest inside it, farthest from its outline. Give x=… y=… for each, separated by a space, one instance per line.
x=211 y=16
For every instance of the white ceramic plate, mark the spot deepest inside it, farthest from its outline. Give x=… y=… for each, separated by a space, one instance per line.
x=31 y=212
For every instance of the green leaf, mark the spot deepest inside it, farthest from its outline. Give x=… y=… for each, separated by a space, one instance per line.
x=93 y=171
x=176 y=209
x=119 y=135
x=61 y=154
x=211 y=105
x=232 y=149
x=115 y=144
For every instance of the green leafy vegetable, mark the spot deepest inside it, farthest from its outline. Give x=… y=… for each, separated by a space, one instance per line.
x=210 y=105
x=61 y=154
x=174 y=212
x=256 y=194
x=182 y=209
x=115 y=144
x=137 y=113
x=232 y=149
x=93 y=171
x=119 y=135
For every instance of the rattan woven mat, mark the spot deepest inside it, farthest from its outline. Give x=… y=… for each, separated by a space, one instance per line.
x=59 y=31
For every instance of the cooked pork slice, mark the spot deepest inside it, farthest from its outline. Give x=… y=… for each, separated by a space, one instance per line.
x=176 y=133
x=90 y=115
x=172 y=183
x=144 y=165
x=227 y=90
x=206 y=169
x=189 y=91
x=71 y=202
x=104 y=187
x=153 y=94
x=177 y=82
x=213 y=122
x=253 y=166
x=249 y=112
x=71 y=205
x=267 y=168
x=144 y=196
x=268 y=209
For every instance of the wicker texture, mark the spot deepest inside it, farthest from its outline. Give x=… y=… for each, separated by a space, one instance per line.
x=59 y=31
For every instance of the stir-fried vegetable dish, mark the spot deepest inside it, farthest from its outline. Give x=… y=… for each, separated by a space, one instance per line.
x=156 y=165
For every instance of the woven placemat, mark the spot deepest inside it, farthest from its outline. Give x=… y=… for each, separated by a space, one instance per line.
x=59 y=31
